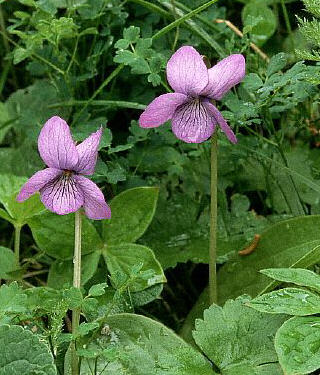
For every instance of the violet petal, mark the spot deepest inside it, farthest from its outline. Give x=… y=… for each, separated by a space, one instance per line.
x=224 y=75
x=161 y=109
x=186 y=72
x=62 y=195
x=88 y=153
x=56 y=145
x=36 y=182
x=94 y=204
x=193 y=122
x=222 y=123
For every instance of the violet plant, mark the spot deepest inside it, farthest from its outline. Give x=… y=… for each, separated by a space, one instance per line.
x=194 y=117
x=64 y=189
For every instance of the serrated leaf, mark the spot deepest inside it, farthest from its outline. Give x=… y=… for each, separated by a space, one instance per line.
x=145 y=347
x=124 y=258
x=132 y=212
x=297 y=345
x=97 y=290
x=22 y=353
x=12 y=299
x=234 y=334
x=292 y=301
x=276 y=63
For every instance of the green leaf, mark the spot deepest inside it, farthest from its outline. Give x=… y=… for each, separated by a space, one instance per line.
x=60 y=243
x=19 y=212
x=97 y=290
x=290 y=243
x=61 y=272
x=132 y=212
x=292 y=301
x=261 y=19
x=8 y=262
x=124 y=258
x=22 y=353
x=235 y=334
x=145 y=347
x=12 y=299
x=85 y=328
x=298 y=276
x=297 y=345
x=276 y=63
x=131 y=34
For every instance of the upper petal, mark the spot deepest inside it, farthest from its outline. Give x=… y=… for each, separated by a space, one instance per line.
x=222 y=123
x=94 y=204
x=224 y=75
x=161 y=109
x=193 y=122
x=62 y=195
x=186 y=71
x=56 y=145
x=88 y=153
x=36 y=182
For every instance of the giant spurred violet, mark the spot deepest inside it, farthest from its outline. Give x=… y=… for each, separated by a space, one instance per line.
x=62 y=186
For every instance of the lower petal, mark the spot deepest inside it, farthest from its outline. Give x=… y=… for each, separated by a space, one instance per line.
x=161 y=109
x=94 y=204
x=192 y=122
x=62 y=195
x=36 y=182
x=222 y=123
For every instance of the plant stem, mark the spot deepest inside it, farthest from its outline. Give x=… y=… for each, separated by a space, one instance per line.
x=288 y=25
x=17 y=232
x=213 y=221
x=76 y=284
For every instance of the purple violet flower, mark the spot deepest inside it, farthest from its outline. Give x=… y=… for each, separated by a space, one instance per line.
x=193 y=116
x=62 y=186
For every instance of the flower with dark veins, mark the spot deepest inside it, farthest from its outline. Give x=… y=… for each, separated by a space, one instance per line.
x=62 y=186
x=193 y=116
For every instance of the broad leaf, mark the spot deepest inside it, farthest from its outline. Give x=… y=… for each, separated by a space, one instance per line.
x=132 y=212
x=61 y=271
x=8 y=262
x=12 y=300
x=54 y=234
x=144 y=347
x=292 y=301
x=124 y=258
x=22 y=353
x=236 y=335
x=298 y=276
x=290 y=243
x=297 y=345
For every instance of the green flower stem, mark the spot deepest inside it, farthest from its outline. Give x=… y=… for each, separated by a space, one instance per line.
x=213 y=292
x=288 y=25
x=76 y=284
x=17 y=232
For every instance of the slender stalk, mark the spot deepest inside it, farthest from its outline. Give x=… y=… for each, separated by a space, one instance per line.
x=17 y=232
x=288 y=24
x=213 y=221
x=76 y=284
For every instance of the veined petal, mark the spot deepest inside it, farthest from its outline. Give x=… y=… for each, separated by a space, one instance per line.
x=36 y=182
x=222 y=123
x=88 y=153
x=224 y=75
x=94 y=204
x=193 y=122
x=62 y=195
x=186 y=71
x=161 y=109
x=56 y=146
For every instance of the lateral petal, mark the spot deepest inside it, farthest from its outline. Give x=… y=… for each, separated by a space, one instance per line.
x=161 y=109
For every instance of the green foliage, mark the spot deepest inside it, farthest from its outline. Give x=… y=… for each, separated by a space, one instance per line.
x=23 y=353
x=236 y=338
x=143 y=347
